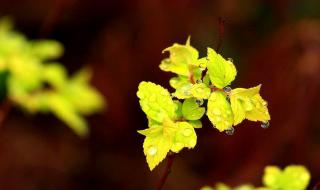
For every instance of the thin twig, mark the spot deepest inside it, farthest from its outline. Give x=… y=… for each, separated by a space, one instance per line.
x=221 y=29
x=167 y=171
x=221 y=23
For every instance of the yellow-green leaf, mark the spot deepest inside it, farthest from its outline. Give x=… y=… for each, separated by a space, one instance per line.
x=55 y=74
x=247 y=103
x=46 y=49
x=185 y=137
x=196 y=124
x=64 y=110
x=200 y=91
x=191 y=110
x=181 y=58
x=294 y=177
x=222 y=72
x=156 y=149
x=219 y=111
x=156 y=101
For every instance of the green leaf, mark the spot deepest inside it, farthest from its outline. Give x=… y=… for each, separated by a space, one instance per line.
x=64 y=110
x=196 y=124
x=153 y=131
x=247 y=103
x=156 y=101
x=200 y=91
x=46 y=49
x=178 y=110
x=259 y=111
x=156 y=149
x=206 y=188
x=83 y=97
x=222 y=72
x=181 y=58
x=185 y=137
x=222 y=186
x=219 y=111
x=238 y=110
x=191 y=110
x=179 y=82
x=293 y=177
x=27 y=70
x=55 y=74
x=183 y=92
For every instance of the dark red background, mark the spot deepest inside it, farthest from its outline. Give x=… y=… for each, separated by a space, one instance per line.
x=275 y=43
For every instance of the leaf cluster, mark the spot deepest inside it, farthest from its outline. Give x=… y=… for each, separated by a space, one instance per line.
x=201 y=86
x=293 y=177
x=38 y=84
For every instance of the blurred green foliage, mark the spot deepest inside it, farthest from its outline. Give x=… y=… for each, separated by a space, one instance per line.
x=35 y=83
x=293 y=177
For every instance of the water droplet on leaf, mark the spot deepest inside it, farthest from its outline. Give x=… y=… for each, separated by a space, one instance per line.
x=230 y=131
x=227 y=89
x=216 y=111
x=199 y=81
x=187 y=132
x=265 y=124
x=152 y=151
x=199 y=102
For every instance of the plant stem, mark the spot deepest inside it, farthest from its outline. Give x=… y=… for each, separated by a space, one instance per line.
x=221 y=26
x=167 y=171
x=221 y=23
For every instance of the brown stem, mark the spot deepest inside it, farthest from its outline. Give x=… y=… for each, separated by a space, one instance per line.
x=167 y=171
x=221 y=23
x=221 y=26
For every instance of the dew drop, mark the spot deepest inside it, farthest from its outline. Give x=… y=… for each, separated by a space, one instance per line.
x=199 y=81
x=227 y=89
x=216 y=111
x=230 y=59
x=265 y=124
x=230 y=131
x=264 y=103
x=152 y=151
x=187 y=132
x=199 y=102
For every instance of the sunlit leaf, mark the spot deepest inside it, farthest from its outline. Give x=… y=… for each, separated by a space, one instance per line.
x=191 y=110
x=156 y=101
x=219 y=111
x=185 y=137
x=222 y=72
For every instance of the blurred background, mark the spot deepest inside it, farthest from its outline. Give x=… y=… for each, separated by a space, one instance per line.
x=275 y=43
